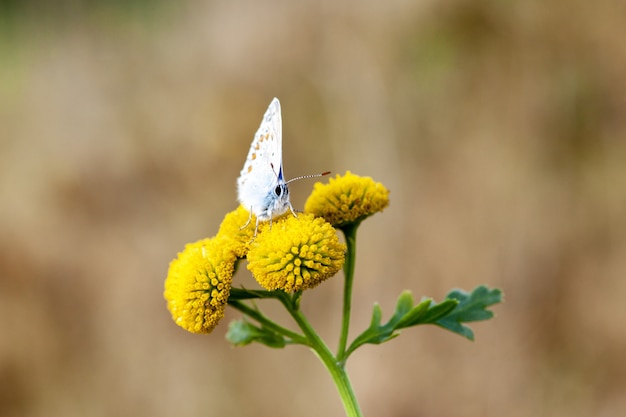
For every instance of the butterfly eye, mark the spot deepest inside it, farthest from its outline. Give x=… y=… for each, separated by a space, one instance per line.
x=278 y=190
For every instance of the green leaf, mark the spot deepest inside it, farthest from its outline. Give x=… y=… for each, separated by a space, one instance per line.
x=242 y=332
x=458 y=307
x=404 y=315
x=404 y=304
x=437 y=311
x=470 y=307
x=415 y=315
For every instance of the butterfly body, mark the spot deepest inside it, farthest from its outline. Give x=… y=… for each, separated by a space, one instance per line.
x=261 y=187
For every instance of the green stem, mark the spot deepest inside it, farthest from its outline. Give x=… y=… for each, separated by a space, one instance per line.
x=335 y=368
x=258 y=316
x=348 y=272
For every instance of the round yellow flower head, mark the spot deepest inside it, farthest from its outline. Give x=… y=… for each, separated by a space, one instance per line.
x=198 y=284
x=347 y=199
x=231 y=228
x=295 y=254
x=237 y=237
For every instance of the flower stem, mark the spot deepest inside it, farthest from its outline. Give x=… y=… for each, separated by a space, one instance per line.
x=335 y=367
x=348 y=271
x=258 y=316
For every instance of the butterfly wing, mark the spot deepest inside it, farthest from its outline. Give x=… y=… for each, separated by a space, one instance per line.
x=262 y=171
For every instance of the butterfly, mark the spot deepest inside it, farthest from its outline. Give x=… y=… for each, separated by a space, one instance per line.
x=261 y=187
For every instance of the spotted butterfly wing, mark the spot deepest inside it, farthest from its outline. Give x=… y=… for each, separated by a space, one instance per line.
x=261 y=186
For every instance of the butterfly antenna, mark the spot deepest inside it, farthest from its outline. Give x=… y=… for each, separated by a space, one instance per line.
x=274 y=171
x=308 y=176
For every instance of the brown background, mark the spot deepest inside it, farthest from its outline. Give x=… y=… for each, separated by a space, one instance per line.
x=498 y=126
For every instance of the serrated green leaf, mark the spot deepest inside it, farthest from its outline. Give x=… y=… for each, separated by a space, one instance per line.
x=415 y=315
x=438 y=311
x=404 y=304
x=241 y=333
x=404 y=315
x=377 y=315
x=375 y=333
x=471 y=307
x=458 y=307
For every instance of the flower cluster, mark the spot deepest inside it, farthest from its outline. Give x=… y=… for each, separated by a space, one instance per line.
x=198 y=285
x=347 y=200
x=296 y=254
x=289 y=254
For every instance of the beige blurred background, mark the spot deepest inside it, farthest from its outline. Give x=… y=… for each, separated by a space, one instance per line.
x=498 y=126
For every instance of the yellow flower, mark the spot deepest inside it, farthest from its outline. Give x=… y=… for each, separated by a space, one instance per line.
x=238 y=238
x=231 y=228
x=295 y=254
x=347 y=200
x=198 y=284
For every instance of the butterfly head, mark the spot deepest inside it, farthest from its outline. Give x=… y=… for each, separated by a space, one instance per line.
x=276 y=201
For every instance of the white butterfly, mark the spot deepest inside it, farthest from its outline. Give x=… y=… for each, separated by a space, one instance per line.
x=261 y=186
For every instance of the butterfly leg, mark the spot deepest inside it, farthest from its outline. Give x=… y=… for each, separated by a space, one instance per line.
x=270 y=214
x=256 y=227
x=292 y=211
x=248 y=222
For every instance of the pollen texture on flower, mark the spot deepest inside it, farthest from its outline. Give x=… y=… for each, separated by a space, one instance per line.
x=295 y=254
x=239 y=237
x=347 y=199
x=198 y=284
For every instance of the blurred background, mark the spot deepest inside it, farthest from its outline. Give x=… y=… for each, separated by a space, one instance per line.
x=498 y=126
